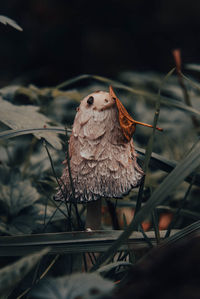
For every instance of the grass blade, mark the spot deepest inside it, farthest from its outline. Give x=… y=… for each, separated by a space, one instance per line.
x=14 y=133
x=150 y=96
x=149 y=148
x=158 y=161
x=72 y=242
x=182 y=234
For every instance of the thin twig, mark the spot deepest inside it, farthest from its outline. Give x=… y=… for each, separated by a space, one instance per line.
x=54 y=173
x=52 y=166
x=44 y=228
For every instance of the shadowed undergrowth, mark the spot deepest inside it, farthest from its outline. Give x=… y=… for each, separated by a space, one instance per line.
x=30 y=167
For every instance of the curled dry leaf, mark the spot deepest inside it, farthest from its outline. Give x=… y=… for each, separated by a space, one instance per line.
x=8 y=21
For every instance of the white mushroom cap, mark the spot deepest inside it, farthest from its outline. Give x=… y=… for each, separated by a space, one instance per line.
x=99 y=100
x=102 y=160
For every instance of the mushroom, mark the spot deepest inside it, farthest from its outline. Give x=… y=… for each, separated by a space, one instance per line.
x=102 y=156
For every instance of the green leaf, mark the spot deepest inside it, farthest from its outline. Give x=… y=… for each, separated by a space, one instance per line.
x=85 y=285
x=17 y=196
x=17 y=199
x=11 y=275
x=23 y=117
x=21 y=224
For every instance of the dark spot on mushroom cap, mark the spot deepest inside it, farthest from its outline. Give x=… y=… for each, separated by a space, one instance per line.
x=90 y=100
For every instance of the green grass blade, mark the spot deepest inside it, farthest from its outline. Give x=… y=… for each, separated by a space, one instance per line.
x=14 y=133
x=150 y=96
x=160 y=162
x=182 y=234
x=72 y=242
x=149 y=148
x=183 y=212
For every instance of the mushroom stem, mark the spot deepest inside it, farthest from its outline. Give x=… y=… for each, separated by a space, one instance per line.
x=93 y=217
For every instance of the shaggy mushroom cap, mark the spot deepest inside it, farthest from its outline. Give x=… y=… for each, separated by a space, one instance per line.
x=102 y=158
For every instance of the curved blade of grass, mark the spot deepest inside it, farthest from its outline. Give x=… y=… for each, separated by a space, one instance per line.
x=176 y=215
x=14 y=133
x=182 y=170
x=159 y=162
x=72 y=242
x=148 y=152
x=184 y=212
x=184 y=233
x=193 y=83
x=156 y=116
x=149 y=148
x=192 y=67
x=150 y=96
x=8 y=21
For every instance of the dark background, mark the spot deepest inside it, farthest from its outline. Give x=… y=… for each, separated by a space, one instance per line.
x=62 y=39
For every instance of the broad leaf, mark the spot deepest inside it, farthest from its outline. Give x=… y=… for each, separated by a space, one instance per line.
x=14 y=273
x=22 y=117
x=17 y=196
x=85 y=286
